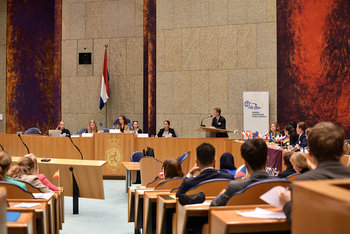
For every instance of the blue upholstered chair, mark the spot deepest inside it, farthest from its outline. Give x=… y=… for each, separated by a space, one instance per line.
x=33 y=131
x=135 y=157
x=81 y=131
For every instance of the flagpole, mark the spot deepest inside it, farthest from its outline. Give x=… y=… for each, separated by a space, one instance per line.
x=106 y=102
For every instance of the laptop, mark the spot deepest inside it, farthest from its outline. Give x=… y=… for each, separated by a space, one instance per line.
x=54 y=133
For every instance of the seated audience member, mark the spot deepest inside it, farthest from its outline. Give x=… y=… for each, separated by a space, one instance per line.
x=326 y=142
x=165 y=164
x=227 y=163
x=41 y=177
x=301 y=163
x=135 y=125
x=302 y=141
x=291 y=133
x=274 y=132
x=61 y=127
x=172 y=170
x=286 y=161
x=92 y=128
x=5 y=164
x=254 y=153
x=205 y=163
x=166 y=131
x=307 y=133
x=123 y=124
x=24 y=170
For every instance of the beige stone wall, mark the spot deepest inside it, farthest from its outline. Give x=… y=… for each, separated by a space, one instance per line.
x=86 y=27
x=3 y=23
x=208 y=53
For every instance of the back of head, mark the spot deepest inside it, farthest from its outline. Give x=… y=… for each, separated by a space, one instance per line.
x=227 y=161
x=326 y=141
x=286 y=159
x=166 y=162
x=254 y=152
x=24 y=166
x=293 y=124
x=301 y=161
x=35 y=161
x=173 y=169
x=5 y=162
x=302 y=126
x=205 y=154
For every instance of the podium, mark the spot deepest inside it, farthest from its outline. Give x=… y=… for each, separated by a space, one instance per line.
x=211 y=132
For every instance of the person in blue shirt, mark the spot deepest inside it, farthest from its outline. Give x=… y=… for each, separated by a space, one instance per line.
x=5 y=164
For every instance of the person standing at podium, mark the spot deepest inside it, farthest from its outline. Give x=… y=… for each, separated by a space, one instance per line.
x=219 y=122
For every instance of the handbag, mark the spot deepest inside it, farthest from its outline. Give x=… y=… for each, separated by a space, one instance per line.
x=191 y=199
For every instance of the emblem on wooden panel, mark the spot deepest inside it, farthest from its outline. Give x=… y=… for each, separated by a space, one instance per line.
x=113 y=155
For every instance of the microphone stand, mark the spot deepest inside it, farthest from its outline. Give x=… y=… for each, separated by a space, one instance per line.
x=76 y=147
x=205 y=118
x=23 y=143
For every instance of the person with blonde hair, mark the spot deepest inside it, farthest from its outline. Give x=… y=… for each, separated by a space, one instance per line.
x=274 y=132
x=92 y=128
x=301 y=163
x=24 y=170
x=41 y=177
x=5 y=164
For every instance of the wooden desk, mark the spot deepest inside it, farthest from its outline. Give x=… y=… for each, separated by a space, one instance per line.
x=41 y=212
x=165 y=206
x=211 y=132
x=130 y=166
x=149 y=209
x=139 y=195
x=226 y=220
x=25 y=223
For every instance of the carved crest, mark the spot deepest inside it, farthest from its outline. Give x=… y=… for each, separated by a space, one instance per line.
x=113 y=154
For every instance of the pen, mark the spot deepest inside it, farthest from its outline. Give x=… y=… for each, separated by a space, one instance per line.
x=287 y=188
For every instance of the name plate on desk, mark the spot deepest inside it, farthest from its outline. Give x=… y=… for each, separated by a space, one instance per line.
x=114 y=130
x=87 y=135
x=142 y=135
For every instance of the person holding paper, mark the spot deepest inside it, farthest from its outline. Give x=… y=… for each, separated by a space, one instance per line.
x=326 y=142
x=219 y=122
x=254 y=153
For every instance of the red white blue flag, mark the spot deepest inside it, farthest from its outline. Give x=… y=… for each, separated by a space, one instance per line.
x=105 y=80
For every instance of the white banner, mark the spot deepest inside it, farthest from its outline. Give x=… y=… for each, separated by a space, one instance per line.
x=256 y=112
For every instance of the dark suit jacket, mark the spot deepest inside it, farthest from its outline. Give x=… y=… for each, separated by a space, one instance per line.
x=237 y=185
x=302 y=141
x=286 y=173
x=221 y=124
x=205 y=175
x=161 y=131
x=325 y=170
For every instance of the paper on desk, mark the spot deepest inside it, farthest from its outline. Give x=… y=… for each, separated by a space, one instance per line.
x=271 y=197
x=143 y=190
x=200 y=204
x=263 y=214
x=42 y=195
x=26 y=205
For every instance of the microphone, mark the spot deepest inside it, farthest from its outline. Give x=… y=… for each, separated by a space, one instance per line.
x=23 y=143
x=76 y=147
x=205 y=118
x=2 y=147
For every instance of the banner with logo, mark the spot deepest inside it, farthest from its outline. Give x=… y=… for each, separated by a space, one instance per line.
x=274 y=165
x=256 y=111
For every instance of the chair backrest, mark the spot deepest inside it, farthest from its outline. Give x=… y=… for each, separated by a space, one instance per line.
x=250 y=195
x=185 y=161
x=136 y=156
x=81 y=131
x=210 y=187
x=31 y=188
x=116 y=121
x=149 y=169
x=292 y=177
x=170 y=184
x=153 y=183
x=106 y=130
x=16 y=192
x=176 y=134
x=33 y=131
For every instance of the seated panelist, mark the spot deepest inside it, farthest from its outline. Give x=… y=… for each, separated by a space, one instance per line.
x=166 y=131
x=135 y=124
x=92 y=128
x=123 y=124
x=61 y=127
x=302 y=141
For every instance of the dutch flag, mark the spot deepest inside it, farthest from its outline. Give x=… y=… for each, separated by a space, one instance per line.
x=104 y=85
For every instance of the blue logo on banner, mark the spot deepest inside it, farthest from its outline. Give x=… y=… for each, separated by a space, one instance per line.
x=251 y=105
